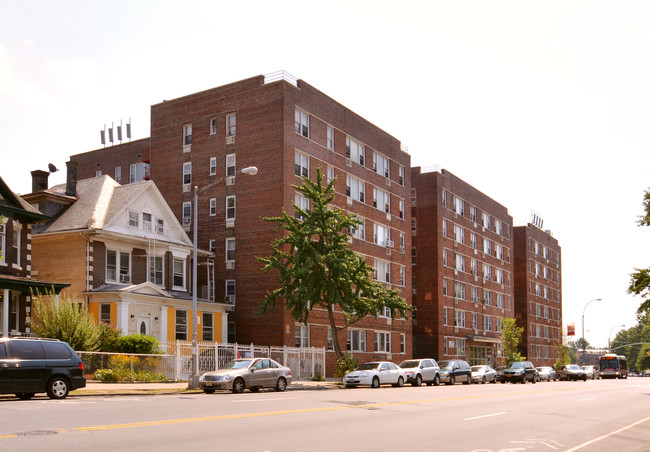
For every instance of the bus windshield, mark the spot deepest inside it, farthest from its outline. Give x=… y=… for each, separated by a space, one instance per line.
x=608 y=363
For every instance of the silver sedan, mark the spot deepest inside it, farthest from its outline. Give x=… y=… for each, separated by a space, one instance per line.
x=251 y=373
x=483 y=374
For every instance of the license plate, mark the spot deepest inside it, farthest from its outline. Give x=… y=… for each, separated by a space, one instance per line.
x=208 y=383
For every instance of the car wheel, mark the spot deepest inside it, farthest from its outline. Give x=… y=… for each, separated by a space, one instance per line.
x=209 y=391
x=452 y=381
x=25 y=395
x=523 y=379
x=58 y=388
x=281 y=385
x=483 y=380
x=375 y=382
x=534 y=380
x=349 y=386
x=418 y=381
x=503 y=382
x=238 y=385
x=436 y=380
x=400 y=383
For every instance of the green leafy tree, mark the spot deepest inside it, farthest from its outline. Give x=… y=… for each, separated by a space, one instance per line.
x=511 y=337
x=65 y=320
x=565 y=354
x=628 y=342
x=640 y=279
x=643 y=360
x=317 y=268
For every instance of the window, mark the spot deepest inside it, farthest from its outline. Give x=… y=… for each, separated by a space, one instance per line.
x=3 y=240
x=213 y=166
x=302 y=336
x=213 y=207
x=181 y=325
x=187 y=134
x=105 y=313
x=302 y=123
x=381 y=164
x=156 y=270
x=473 y=240
x=444 y=228
x=445 y=316
x=414 y=256
x=402 y=343
x=330 y=174
x=460 y=319
x=330 y=138
x=360 y=231
x=230 y=207
x=118 y=174
x=355 y=189
x=475 y=297
x=231 y=165
x=461 y=346
x=402 y=276
x=475 y=321
x=231 y=124
x=459 y=206
x=402 y=241
x=487 y=298
x=487 y=247
x=401 y=209
x=208 y=335
x=134 y=220
x=487 y=323
x=355 y=151
x=472 y=213
x=187 y=173
x=500 y=300
x=486 y=221
x=179 y=273
x=212 y=245
x=213 y=126
x=187 y=213
x=459 y=290
x=444 y=198
x=98 y=173
x=444 y=258
x=118 y=266
x=382 y=342
x=487 y=272
x=382 y=235
x=301 y=167
x=474 y=267
x=356 y=340
x=460 y=263
x=230 y=287
x=160 y=226
x=499 y=275
x=400 y=179
x=499 y=251
x=382 y=271
x=459 y=234
x=301 y=203
x=230 y=250
x=414 y=226
x=381 y=200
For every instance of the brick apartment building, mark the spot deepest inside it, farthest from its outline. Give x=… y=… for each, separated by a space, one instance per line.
x=462 y=260
x=286 y=128
x=538 y=292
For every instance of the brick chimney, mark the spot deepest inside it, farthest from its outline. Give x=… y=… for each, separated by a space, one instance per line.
x=39 y=180
x=71 y=182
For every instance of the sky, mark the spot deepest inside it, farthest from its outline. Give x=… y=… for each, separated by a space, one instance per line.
x=543 y=106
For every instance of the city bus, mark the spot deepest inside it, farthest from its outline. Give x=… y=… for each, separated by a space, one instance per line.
x=613 y=366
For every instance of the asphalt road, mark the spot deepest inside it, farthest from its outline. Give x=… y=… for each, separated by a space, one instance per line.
x=605 y=415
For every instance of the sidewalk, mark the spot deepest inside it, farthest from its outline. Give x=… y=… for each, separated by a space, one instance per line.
x=96 y=388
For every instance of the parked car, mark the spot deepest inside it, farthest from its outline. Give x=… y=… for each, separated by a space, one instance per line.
x=31 y=365
x=520 y=371
x=251 y=373
x=420 y=371
x=571 y=372
x=454 y=371
x=376 y=373
x=591 y=372
x=483 y=374
x=547 y=373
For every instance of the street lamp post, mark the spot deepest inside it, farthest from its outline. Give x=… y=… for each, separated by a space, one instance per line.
x=193 y=383
x=609 y=338
x=583 y=329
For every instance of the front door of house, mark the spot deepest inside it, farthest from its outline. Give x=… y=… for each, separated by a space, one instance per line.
x=144 y=325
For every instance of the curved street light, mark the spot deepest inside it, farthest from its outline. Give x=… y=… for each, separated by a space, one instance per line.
x=194 y=379
x=583 y=327
x=609 y=338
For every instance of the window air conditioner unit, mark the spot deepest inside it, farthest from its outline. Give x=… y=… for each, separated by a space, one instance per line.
x=230 y=139
x=186 y=188
x=388 y=182
x=390 y=244
x=230 y=265
x=348 y=162
x=230 y=180
x=124 y=278
x=230 y=299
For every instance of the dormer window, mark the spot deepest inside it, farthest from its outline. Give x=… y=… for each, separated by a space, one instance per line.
x=146 y=222
x=160 y=226
x=134 y=220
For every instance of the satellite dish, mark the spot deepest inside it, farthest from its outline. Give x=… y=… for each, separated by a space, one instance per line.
x=52 y=168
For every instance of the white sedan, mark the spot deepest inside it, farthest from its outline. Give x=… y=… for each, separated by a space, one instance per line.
x=483 y=374
x=374 y=374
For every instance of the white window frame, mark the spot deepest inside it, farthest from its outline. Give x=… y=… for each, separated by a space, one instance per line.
x=3 y=241
x=381 y=200
x=176 y=274
x=230 y=249
x=180 y=328
x=356 y=340
x=154 y=270
x=119 y=270
x=330 y=138
x=230 y=288
x=186 y=213
x=187 y=173
x=360 y=231
x=301 y=338
x=355 y=151
x=382 y=271
x=213 y=126
x=118 y=174
x=231 y=124
x=401 y=177
x=301 y=202
x=355 y=188
x=231 y=165
x=207 y=327
x=212 y=245
x=134 y=220
x=231 y=207
x=187 y=134
x=301 y=123
x=213 y=166
x=331 y=174
x=301 y=164
x=381 y=164
x=383 y=341
x=213 y=207
x=381 y=234
x=103 y=317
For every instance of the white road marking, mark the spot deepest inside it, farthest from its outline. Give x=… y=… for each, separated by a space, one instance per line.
x=485 y=415
x=264 y=400
x=588 y=398
x=580 y=446
x=544 y=442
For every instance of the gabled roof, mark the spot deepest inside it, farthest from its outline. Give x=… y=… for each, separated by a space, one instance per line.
x=13 y=205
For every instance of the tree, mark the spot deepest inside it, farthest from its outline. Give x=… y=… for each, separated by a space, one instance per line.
x=640 y=279
x=643 y=360
x=565 y=354
x=511 y=336
x=65 y=320
x=317 y=268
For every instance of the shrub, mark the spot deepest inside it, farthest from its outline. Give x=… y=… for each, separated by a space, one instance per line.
x=108 y=338
x=345 y=364
x=137 y=343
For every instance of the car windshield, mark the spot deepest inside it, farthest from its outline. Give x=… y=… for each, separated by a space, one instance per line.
x=573 y=367
x=477 y=368
x=368 y=366
x=517 y=366
x=238 y=364
x=445 y=364
x=409 y=364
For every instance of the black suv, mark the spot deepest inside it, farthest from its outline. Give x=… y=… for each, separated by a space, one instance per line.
x=29 y=365
x=520 y=371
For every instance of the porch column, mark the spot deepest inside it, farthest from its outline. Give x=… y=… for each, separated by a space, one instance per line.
x=224 y=327
x=163 y=325
x=123 y=317
x=5 y=312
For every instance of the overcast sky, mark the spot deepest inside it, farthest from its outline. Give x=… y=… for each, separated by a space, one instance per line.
x=543 y=106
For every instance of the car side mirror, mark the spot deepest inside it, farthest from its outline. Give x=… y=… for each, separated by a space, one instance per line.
x=253 y=369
